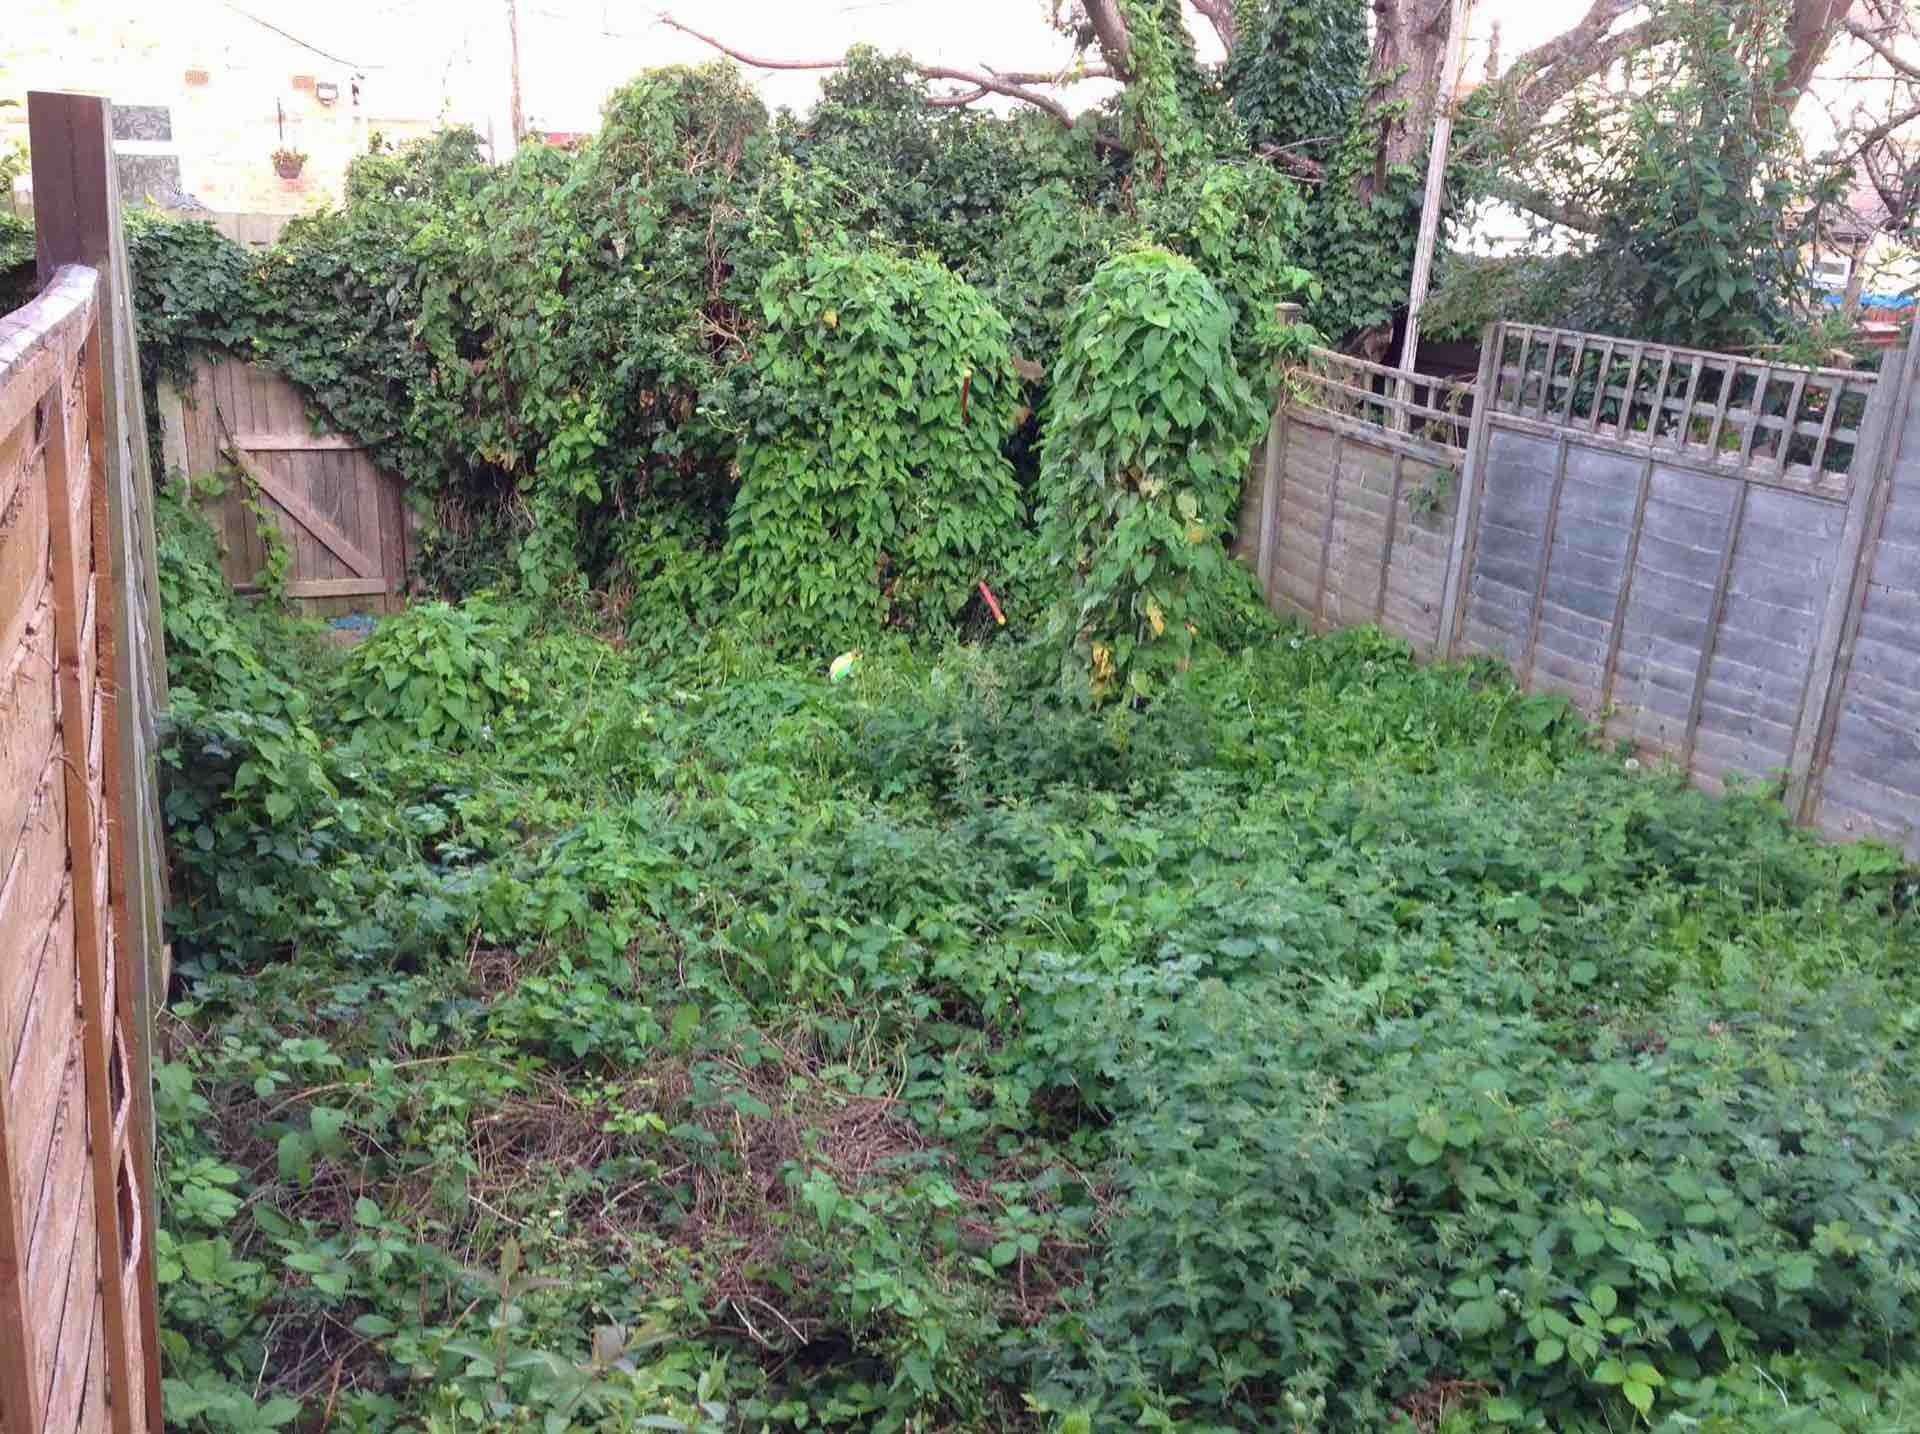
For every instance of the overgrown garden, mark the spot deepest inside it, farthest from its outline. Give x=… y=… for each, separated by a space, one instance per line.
x=1088 y=1003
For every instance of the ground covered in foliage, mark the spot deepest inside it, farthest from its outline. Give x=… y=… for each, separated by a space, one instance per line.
x=567 y=1036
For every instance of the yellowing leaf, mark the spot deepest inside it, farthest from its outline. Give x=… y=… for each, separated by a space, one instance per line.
x=1157 y=618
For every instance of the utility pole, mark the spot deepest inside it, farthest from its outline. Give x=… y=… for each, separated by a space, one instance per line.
x=515 y=116
x=1436 y=183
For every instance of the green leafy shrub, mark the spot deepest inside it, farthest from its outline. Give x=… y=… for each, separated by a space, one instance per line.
x=440 y=671
x=1148 y=429
x=1608 y=1232
x=1298 y=71
x=717 y=1044
x=19 y=275
x=873 y=491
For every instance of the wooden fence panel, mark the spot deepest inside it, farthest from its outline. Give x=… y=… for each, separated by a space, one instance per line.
x=75 y=1330
x=1717 y=559
x=1867 y=759
x=1349 y=516
x=344 y=521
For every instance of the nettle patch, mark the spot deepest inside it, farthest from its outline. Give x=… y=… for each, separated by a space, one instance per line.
x=572 y=1039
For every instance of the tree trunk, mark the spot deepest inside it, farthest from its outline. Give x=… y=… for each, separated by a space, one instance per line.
x=1110 y=31
x=1810 y=30
x=1409 y=54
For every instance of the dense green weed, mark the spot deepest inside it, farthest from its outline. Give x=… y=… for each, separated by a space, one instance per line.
x=576 y=1036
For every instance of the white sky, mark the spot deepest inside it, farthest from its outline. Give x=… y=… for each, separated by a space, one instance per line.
x=574 y=51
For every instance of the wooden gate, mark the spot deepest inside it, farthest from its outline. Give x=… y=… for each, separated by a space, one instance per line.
x=344 y=521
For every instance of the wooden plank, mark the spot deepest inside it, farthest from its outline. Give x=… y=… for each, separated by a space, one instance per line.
x=78 y=1328
x=30 y=1078
x=26 y=719
x=1624 y=425
x=1683 y=434
x=1546 y=558
x=1756 y=406
x=22 y=1406
x=1794 y=398
x=1818 y=462
x=1326 y=533
x=1890 y=419
x=1695 y=458
x=337 y=485
x=56 y=1212
x=69 y=598
x=1717 y=614
x=338 y=587
x=1472 y=484
x=278 y=442
x=30 y=891
x=1600 y=386
x=1729 y=376
x=1393 y=524
x=303 y=513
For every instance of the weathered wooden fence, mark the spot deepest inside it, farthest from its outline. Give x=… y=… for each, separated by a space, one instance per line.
x=1715 y=558
x=343 y=520
x=1352 y=518
x=80 y=879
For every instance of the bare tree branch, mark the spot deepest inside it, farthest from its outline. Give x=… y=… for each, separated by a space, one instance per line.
x=1811 y=28
x=1544 y=205
x=1909 y=68
x=1110 y=29
x=1223 y=16
x=1593 y=25
x=1014 y=84
x=957 y=101
x=1537 y=91
x=1300 y=166
x=1867 y=139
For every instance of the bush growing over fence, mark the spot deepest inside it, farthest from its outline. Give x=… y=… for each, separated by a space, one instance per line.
x=570 y=351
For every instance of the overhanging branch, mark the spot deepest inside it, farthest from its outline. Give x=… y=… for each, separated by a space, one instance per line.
x=1535 y=91
x=1223 y=16
x=1013 y=84
x=1909 y=68
x=1545 y=205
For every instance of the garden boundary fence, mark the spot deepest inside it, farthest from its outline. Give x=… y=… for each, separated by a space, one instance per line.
x=344 y=522
x=1715 y=558
x=81 y=877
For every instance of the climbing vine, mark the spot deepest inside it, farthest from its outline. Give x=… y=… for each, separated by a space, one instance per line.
x=873 y=490
x=1148 y=430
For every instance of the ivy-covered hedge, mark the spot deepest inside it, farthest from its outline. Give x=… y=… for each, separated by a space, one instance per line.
x=574 y=359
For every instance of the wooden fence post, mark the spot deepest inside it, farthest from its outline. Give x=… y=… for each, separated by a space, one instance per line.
x=1273 y=462
x=1472 y=479
x=1880 y=436
x=77 y=221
